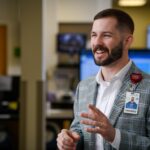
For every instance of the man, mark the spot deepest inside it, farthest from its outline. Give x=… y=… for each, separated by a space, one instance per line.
x=101 y=119
x=131 y=104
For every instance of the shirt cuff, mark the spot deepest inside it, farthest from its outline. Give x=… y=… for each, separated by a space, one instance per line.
x=116 y=143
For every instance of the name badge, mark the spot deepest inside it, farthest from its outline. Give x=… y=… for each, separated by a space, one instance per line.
x=131 y=103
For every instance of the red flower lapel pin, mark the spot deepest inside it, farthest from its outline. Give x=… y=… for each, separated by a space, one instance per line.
x=136 y=77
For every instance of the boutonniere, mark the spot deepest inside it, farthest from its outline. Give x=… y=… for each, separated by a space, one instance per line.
x=136 y=77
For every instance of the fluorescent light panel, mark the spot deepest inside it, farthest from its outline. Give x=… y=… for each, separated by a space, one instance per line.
x=132 y=2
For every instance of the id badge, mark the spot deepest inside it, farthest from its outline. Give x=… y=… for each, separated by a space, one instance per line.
x=131 y=103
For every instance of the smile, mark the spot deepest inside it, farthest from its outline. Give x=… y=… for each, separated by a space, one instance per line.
x=100 y=51
x=99 y=54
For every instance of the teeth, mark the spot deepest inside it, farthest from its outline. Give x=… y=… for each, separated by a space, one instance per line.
x=99 y=52
x=100 y=49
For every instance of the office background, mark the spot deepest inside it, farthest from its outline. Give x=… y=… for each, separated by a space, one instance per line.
x=29 y=31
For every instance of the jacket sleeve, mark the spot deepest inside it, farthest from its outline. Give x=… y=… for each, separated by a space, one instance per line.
x=75 y=125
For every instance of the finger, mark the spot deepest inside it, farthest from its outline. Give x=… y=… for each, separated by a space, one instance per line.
x=62 y=143
x=59 y=145
x=91 y=123
x=91 y=116
x=65 y=139
x=64 y=147
x=85 y=115
x=75 y=136
x=69 y=137
x=94 y=130
x=94 y=109
x=66 y=135
x=97 y=111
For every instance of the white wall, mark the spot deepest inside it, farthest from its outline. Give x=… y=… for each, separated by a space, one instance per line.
x=80 y=10
x=50 y=30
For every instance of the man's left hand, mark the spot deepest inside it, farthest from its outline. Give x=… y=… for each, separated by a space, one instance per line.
x=94 y=117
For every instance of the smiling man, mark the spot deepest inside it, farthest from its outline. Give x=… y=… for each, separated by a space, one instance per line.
x=101 y=120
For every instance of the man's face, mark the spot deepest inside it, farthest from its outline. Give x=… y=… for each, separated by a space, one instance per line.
x=132 y=99
x=106 y=41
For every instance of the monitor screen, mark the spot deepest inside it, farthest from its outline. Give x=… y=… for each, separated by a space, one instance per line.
x=71 y=42
x=88 y=67
x=9 y=88
x=141 y=58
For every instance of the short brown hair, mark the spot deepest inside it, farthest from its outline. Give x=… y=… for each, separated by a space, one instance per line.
x=124 y=20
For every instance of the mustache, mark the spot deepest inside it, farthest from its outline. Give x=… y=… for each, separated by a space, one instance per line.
x=100 y=48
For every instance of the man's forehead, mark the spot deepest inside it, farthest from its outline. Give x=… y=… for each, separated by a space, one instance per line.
x=105 y=24
x=106 y=19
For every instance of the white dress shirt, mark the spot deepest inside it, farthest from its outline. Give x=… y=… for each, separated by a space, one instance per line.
x=107 y=92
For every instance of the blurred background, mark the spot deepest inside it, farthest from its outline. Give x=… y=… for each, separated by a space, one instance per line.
x=44 y=53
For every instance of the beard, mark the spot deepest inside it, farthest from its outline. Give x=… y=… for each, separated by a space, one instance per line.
x=115 y=54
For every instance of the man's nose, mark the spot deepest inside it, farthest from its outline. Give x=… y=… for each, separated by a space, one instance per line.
x=99 y=41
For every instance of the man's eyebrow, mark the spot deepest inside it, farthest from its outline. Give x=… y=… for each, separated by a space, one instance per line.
x=104 y=32
x=107 y=32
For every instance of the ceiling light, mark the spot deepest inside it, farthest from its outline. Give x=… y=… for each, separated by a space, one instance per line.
x=132 y=2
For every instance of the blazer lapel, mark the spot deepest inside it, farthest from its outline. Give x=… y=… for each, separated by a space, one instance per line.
x=120 y=98
x=93 y=95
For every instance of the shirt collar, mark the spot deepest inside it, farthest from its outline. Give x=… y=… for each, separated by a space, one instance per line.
x=119 y=75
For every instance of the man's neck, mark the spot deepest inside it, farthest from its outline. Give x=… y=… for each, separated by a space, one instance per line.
x=108 y=72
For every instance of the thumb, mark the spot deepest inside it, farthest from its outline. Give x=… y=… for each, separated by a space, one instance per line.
x=75 y=136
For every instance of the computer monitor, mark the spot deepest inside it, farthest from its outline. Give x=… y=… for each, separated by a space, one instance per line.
x=141 y=58
x=71 y=42
x=88 y=67
x=9 y=88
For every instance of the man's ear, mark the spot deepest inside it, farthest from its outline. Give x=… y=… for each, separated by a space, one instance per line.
x=128 y=41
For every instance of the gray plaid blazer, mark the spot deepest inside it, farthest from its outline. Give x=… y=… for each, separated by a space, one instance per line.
x=134 y=128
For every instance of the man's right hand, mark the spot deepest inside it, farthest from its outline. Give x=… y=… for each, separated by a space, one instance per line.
x=67 y=139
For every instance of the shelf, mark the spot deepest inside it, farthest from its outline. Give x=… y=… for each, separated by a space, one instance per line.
x=59 y=114
x=8 y=116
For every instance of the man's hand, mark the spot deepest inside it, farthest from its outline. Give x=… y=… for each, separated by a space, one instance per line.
x=67 y=139
x=99 y=122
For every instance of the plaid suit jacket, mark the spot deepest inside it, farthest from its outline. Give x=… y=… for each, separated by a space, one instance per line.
x=134 y=128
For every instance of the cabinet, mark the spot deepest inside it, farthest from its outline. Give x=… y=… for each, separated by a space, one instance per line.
x=69 y=71
x=9 y=131
x=9 y=112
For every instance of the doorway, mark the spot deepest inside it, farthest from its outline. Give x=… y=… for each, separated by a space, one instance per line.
x=3 y=49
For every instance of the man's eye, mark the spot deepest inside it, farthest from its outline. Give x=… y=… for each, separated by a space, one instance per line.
x=92 y=35
x=107 y=35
